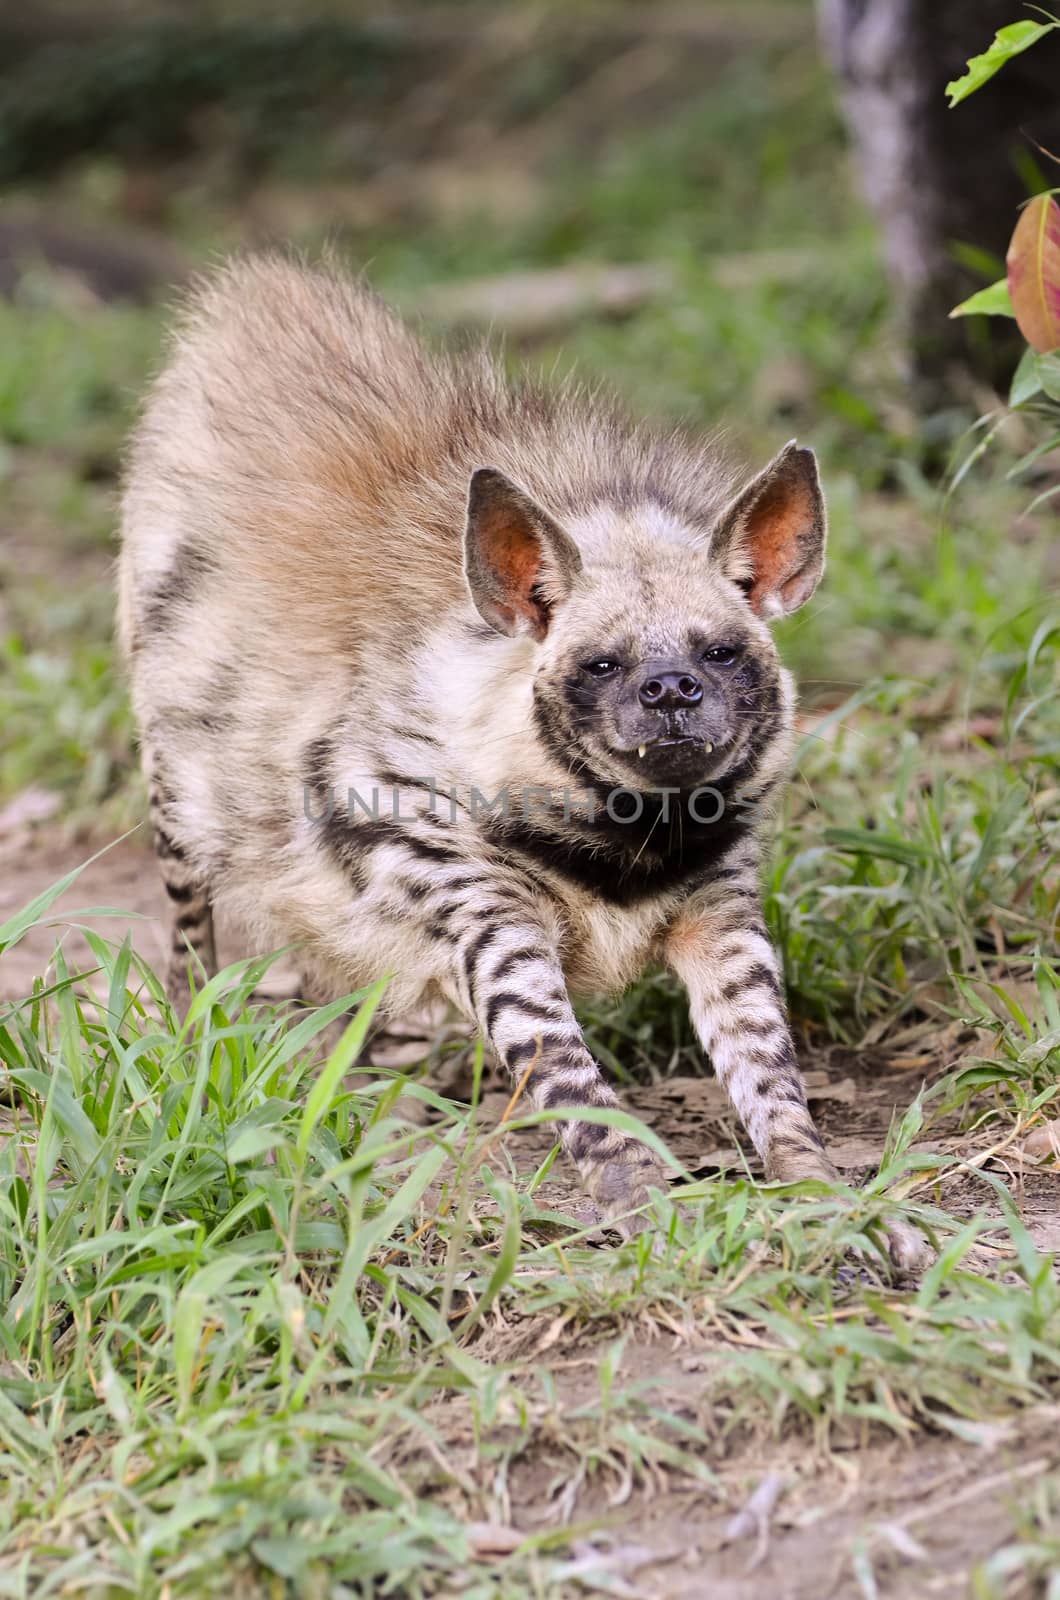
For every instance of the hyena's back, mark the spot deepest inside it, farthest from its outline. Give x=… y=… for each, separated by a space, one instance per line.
x=283 y=456
x=290 y=507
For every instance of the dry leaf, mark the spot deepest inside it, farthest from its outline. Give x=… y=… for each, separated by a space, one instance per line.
x=493 y=1538
x=1043 y=1142
x=755 y=1517
x=1033 y=264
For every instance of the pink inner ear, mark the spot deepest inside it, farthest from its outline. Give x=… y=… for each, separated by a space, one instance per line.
x=515 y=556
x=518 y=562
x=775 y=540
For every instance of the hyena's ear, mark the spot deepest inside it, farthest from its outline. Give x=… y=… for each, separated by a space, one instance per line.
x=519 y=563
x=770 y=539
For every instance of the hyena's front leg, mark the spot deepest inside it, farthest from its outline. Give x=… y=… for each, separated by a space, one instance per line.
x=511 y=979
x=728 y=965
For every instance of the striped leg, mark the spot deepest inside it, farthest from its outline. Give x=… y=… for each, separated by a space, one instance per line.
x=727 y=964
x=493 y=945
x=724 y=957
x=513 y=983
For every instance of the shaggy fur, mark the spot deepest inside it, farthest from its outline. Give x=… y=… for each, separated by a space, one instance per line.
x=429 y=669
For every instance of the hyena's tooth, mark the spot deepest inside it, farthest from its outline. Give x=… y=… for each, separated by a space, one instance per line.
x=641 y=751
x=707 y=746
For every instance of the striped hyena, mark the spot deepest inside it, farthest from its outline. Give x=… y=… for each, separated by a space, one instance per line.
x=466 y=682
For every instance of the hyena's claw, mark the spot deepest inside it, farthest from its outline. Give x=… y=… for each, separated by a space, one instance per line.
x=622 y=1185
x=908 y=1249
x=909 y=1252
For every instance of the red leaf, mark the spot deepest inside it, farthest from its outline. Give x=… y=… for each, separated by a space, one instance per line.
x=1033 y=263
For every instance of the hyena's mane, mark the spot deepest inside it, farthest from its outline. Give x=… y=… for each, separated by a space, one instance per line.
x=301 y=390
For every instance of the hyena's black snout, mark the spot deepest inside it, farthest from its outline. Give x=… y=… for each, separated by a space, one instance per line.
x=670 y=689
x=673 y=715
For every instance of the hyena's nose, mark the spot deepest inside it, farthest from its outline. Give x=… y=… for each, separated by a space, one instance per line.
x=667 y=691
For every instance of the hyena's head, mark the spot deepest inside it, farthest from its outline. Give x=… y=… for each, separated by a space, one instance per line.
x=654 y=664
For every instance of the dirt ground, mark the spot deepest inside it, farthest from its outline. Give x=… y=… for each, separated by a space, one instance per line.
x=917 y=1516
x=851 y=1517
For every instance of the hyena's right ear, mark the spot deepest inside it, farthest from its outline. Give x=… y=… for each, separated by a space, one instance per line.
x=771 y=538
x=519 y=563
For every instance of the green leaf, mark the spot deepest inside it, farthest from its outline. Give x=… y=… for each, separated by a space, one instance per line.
x=506 y=1261
x=1025 y=380
x=993 y=301
x=189 y=1319
x=58 y=1090
x=1042 y=634
x=338 y=1063
x=367 y=1235
x=1008 y=42
x=1044 y=447
x=1036 y=375
x=252 y=1142
x=868 y=842
x=1048 y=368
x=19 y=925
x=604 y=1117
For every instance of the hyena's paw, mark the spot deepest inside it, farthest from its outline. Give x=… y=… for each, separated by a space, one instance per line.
x=621 y=1182
x=908 y=1249
x=910 y=1255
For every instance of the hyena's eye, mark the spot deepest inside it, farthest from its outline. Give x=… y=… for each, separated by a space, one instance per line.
x=603 y=667
x=721 y=655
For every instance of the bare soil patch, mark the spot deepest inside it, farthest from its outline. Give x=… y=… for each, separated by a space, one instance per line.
x=919 y=1514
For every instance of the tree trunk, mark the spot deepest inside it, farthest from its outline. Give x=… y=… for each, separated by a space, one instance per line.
x=939 y=179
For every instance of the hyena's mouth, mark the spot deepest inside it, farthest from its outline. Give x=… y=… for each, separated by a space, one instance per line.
x=684 y=759
x=676 y=741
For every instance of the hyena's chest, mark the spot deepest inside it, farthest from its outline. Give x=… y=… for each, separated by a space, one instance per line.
x=607 y=947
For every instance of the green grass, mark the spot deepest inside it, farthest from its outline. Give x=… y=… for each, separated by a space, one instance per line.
x=69 y=384
x=1032 y=1559
x=246 y=1311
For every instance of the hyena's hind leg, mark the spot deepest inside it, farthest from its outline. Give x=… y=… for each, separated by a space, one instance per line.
x=190 y=934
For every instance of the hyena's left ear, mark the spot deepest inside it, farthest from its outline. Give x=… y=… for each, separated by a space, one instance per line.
x=770 y=539
x=519 y=563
